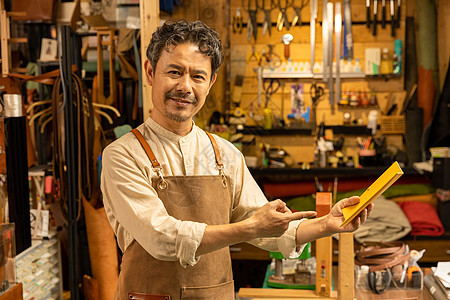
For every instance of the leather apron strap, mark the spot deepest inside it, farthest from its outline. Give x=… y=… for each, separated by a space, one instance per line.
x=155 y=162
x=157 y=167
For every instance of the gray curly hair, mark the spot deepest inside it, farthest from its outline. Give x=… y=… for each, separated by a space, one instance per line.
x=183 y=31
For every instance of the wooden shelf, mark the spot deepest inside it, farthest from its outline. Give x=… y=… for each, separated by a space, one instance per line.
x=306 y=75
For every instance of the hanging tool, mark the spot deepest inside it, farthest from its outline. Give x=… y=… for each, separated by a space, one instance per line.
x=383 y=13
x=254 y=56
x=375 y=12
x=282 y=19
x=313 y=13
x=271 y=86
x=273 y=60
x=297 y=13
x=337 y=33
x=399 y=4
x=368 y=13
x=325 y=40
x=348 y=37
x=330 y=14
x=317 y=92
x=252 y=26
x=287 y=39
x=267 y=23
x=259 y=73
x=391 y=6
x=237 y=21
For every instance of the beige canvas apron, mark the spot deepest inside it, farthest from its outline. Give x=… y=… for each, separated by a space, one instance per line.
x=203 y=199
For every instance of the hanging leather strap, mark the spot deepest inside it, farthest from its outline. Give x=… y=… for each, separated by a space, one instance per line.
x=147 y=149
x=216 y=150
x=46 y=78
x=155 y=162
x=382 y=255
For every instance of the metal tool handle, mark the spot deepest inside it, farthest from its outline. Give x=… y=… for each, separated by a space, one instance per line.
x=286 y=51
x=368 y=16
x=399 y=3
x=392 y=26
x=383 y=16
x=375 y=13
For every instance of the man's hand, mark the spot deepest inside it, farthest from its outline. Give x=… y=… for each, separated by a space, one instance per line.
x=335 y=218
x=272 y=220
x=329 y=224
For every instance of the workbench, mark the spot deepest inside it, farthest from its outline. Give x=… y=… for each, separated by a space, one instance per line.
x=282 y=294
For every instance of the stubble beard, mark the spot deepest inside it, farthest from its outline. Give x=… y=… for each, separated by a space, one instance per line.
x=179 y=117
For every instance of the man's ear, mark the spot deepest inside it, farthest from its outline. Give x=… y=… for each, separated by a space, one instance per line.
x=213 y=79
x=148 y=72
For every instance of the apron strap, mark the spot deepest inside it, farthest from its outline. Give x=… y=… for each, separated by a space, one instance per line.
x=216 y=150
x=147 y=149
x=152 y=156
x=157 y=167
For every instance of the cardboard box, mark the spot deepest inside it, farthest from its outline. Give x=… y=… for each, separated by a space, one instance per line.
x=373 y=61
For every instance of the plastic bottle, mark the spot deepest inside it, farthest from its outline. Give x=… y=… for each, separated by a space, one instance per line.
x=398 y=54
x=362 y=281
x=268 y=122
x=386 y=62
x=372 y=121
x=357 y=67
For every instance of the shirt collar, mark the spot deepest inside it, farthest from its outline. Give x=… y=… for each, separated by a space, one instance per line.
x=173 y=137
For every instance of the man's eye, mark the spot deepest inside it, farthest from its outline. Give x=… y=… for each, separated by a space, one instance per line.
x=175 y=72
x=199 y=77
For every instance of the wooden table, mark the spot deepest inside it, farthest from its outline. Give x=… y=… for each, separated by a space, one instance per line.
x=284 y=294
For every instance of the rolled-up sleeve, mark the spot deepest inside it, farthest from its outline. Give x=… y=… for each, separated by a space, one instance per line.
x=135 y=211
x=248 y=198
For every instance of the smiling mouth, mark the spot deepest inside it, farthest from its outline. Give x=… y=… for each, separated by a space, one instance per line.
x=182 y=101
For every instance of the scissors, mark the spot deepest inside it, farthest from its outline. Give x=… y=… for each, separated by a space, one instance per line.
x=271 y=86
x=297 y=13
x=267 y=24
x=282 y=19
x=316 y=92
x=252 y=26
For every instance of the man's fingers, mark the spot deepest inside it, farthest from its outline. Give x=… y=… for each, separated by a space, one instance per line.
x=302 y=214
x=349 y=201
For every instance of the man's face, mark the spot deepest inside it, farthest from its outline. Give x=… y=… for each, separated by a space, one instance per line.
x=181 y=82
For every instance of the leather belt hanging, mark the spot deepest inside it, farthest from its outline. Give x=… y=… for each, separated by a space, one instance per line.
x=380 y=256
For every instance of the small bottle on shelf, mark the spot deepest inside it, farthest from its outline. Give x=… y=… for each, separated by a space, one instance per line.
x=386 y=62
x=357 y=67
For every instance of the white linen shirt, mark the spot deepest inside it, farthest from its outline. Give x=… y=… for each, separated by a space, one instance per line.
x=136 y=213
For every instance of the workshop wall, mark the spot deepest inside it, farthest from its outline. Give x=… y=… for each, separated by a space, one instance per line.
x=388 y=91
x=214 y=14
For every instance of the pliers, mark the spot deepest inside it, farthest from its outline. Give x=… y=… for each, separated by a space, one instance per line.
x=237 y=21
x=254 y=55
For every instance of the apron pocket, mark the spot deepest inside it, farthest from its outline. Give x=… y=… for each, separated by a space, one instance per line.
x=223 y=291
x=142 y=296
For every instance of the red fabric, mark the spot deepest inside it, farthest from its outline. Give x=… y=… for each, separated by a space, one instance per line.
x=423 y=218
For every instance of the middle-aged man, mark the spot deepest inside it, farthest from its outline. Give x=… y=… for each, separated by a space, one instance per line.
x=177 y=197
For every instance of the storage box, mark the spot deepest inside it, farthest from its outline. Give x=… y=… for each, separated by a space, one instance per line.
x=372 y=61
x=441 y=173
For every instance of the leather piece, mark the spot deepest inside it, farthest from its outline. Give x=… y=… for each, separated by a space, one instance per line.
x=36 y=10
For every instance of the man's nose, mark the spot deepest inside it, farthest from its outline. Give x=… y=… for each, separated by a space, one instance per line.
x=184 y=84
